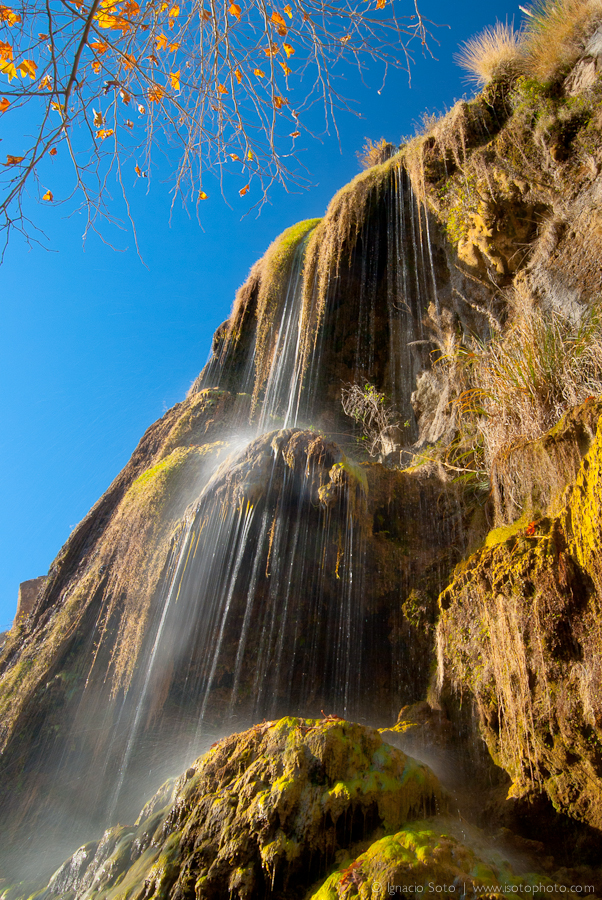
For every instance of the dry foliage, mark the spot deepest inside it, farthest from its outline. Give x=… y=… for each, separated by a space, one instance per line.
x=106 y=82
x=368 y=407
x=373 y=153
x=495 y=52
x=556 y=32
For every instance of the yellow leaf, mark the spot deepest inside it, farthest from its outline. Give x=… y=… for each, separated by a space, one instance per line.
x=28 y=67
x=161 y=41
x=233 y=156
x=238 y=74
x=6 y=51
x=13 y=160
x=155 y=93
x=52 y=151
x=222 y=89
x=202 y=195
x=57 y=107
x=99 y=47
x=4 y=104
x=174 y=12
x=285 y=68
x=9 y=69
x=272 y=50
x=279 y=102
x=48 y=196
x=235 y=10
x=250 y=155
x=295 y=134
x=46 y=83
x=288 y=10
x=259 y=73
x=277 y=19
x=288 y=49
x=104 y=133
x=244 y=190
x=7 y=15
x=174 y=77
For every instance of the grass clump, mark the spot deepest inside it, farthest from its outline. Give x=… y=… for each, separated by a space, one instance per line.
x=374 y=153
x=556 y=34
x=494 y=53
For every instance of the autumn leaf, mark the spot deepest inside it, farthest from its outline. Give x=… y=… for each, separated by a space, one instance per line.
x=48 y=196
x=141 y=109
x=277 y=18
x=130 y=9
x=174 y=77
x=99 y=47
x=52 y=151
x=279 y=102
x=6 y=51
x=288 y=50
x=28 y=67
x=345 y=39
x=43 y=36
x=46 y=83
x=173 y=47
x=13 y=160
x=380 y=4
x=238 y=75
x=259 y=73
x=128 y=123
x=4 y=104
x=222 y=89
x=272 y=50
x=235 y=10
x=161 y=42
x=233 y=156
x=174 y=12
x=202 y=195
x=205 y=15
x=244 y=190
x=288 y=10
x=155 y=93
x=98 y=119
x=153 y=59
x=9 y=69
x=104 y=133
x=128 y=62
x=7 y=15
x=139 y=171
x=56 y=106
x=295 y=134
x=96 y=65
x=124 y=96
x=250 y=155
x=285 y=68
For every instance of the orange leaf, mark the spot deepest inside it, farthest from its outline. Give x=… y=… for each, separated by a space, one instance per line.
x=174 y=12
x=279 y=102
x=128 y=123
x=153 y=59
x=43 y=36
x=345 y=39
x=288 y=49
x=530 y=529
x=52 y=151
x=130 y=9
x=277 y=19
x=13 y=160
x=98 y=119
x=7 y=15
x=154 y=94
x=161 y=41
x=222 y=89
x=124 y=96
x=244 y=190
x=6 y=51
x=285 y=68
x=28 y=67
x=233 y=156
x=380 y=4
x=235 y=10
x=46 y=83
x=174 y=77
x=202 y=195
x=288 y=10
x=4 y=104
x=48 y=196
x=295 y=134
x=173 y=47
x=272 y=50
x=96 y=65
x=99 y=47
x=128 y=62
x=238 y=74
x=259 y=73
x=104 y=133
x=205 y=15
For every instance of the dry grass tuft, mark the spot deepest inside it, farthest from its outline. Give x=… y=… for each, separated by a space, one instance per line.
x=556 y=33
x=375 y=153
x=497 y=52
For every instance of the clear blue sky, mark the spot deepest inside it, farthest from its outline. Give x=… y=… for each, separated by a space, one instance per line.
x=97 y=344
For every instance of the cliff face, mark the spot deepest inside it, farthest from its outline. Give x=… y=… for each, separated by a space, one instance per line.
x=252 y=561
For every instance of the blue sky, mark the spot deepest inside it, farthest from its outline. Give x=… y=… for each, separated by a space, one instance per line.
x=96 y=344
